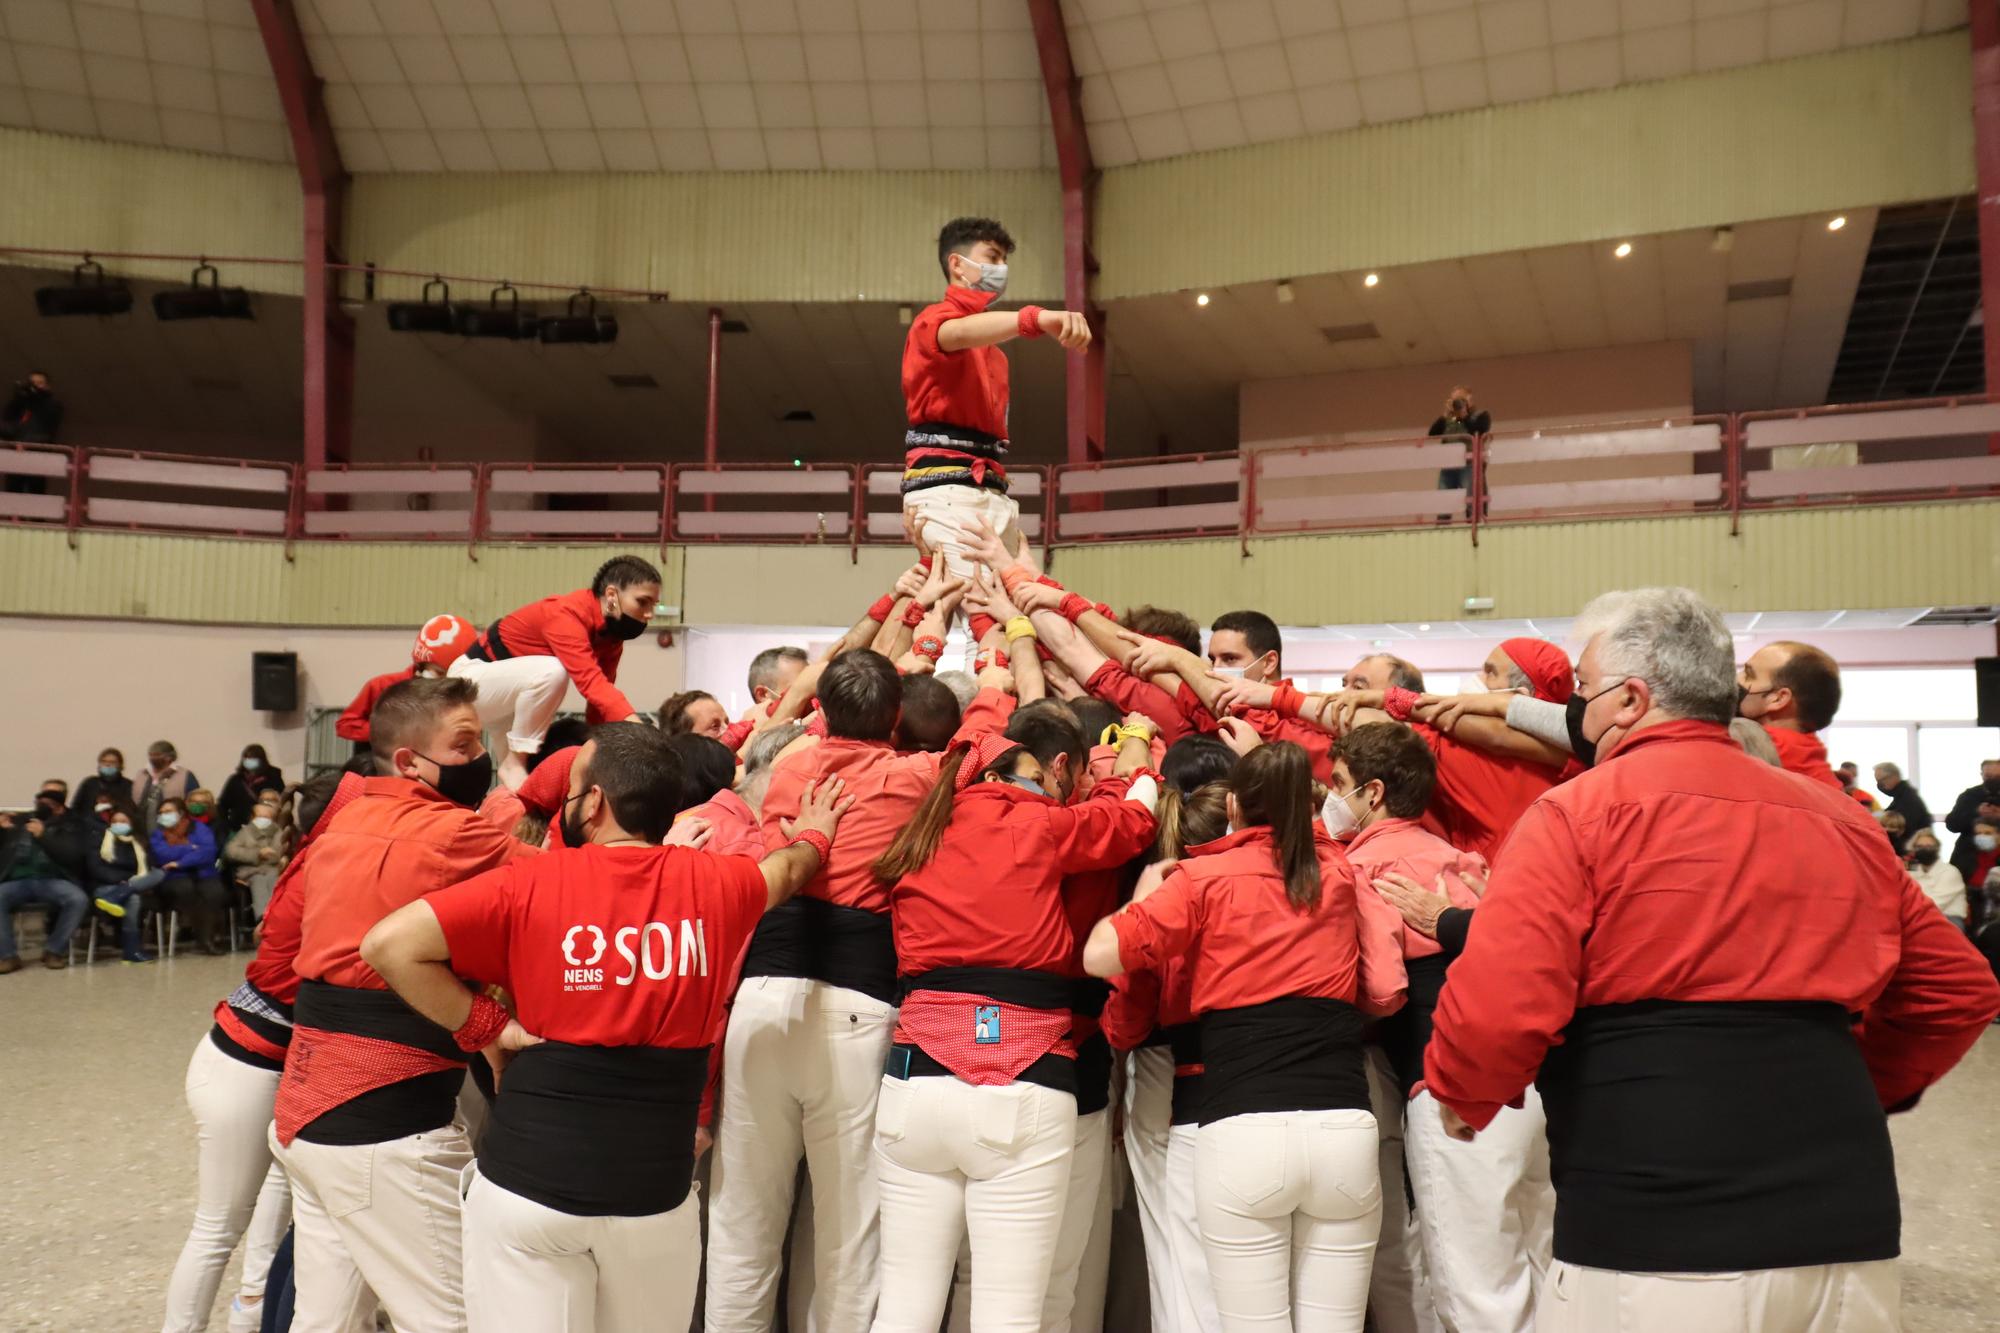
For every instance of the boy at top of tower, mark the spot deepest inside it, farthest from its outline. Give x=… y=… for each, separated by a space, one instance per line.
x=955 y=393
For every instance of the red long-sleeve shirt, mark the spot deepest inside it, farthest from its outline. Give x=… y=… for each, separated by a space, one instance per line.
x=1479 y=795
x=569 y=629
x=1269 y=724
x=1128 y=694
x=993 y=894
x=1226 y=906
x=1407 y=848
x=353 y=724
x=1681 y=869
x=1803 y=753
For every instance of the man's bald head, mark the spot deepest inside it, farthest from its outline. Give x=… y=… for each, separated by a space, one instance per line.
x=1381 y=671
x=1790 y=684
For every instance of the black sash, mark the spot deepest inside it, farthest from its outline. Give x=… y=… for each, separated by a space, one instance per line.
x=411 y=1106
x=1292 y=1054
x=842 y=946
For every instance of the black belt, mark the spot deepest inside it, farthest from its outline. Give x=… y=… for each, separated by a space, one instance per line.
x=489 y=647
x=813 y=938
x=1052 y=1071
x=1020 y=986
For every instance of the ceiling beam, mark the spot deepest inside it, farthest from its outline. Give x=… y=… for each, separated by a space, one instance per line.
x=329 y=330
x=1084 y=400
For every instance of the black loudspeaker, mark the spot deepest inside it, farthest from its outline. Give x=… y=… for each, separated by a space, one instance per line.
x=1986 y=671
x=274 y=682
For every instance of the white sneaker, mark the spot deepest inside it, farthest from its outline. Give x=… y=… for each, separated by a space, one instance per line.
x=245 y=1318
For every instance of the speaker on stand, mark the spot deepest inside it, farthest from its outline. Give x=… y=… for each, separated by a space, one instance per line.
x=274 y=682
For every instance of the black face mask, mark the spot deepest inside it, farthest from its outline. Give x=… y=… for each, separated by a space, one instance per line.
x=464 y=784
x=1582 y=746
x=1925 y=856
x=573 y=832
x=623 y=627
x=47 y=808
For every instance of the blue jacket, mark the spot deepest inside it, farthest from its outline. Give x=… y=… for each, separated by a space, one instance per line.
x=196 y=856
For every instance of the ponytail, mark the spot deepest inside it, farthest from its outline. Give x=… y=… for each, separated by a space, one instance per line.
x=1273 y=786
x=1191 y=819
x=918 y=842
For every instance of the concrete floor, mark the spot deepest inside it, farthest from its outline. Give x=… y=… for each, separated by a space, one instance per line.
x=99 y=1172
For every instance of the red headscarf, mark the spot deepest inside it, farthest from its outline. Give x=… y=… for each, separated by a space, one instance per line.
x=984 y=748
x=1546 y=666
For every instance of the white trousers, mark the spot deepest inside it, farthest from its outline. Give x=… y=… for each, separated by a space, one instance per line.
x=378 y=1224
x=240 y=1194
x=1149 y=1105
x=954 y=1159
x=1190 y=1256
x=535 y=1269
x=942 y=518
x=1485 y=1212
x=1075 y=1302
x=1399 y=1291
x=521 y=694
x=801 y=1067
x=1831 y=1298
x=1289 y=1203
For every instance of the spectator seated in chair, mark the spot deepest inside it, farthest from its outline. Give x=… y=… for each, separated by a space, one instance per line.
x=183 y=847
x=256 y=852
x=255 y=775
x=121 y=869
x=37 y=866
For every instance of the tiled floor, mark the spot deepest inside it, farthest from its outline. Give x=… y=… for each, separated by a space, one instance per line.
x=98 y=1175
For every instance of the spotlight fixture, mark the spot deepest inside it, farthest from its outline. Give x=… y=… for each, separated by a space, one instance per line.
x=494 y=320
x=1624 y=248
x=425 y=316
x=197 y=300
x=1371 y=280
x=89 y=293
x=1836 y=223
x=1202 y=299
x=586 y=326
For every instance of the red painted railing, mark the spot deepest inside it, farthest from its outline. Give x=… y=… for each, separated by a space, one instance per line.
x=1876 y=453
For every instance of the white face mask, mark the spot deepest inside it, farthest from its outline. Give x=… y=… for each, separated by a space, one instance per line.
x=1339 y=816
x=169 y=818
x=262 y=821
x=992 y=277
x=1232 y=673
x=1985 y=842
x=104 y=809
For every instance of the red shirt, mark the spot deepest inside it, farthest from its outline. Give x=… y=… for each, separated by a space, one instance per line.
x=353 y=724
x=964 y=388
x=569 y=629
x=735 y=831
x=1128 y=694
x=1801 y=752
x=608 y=946
x=1479 y=795
x=1144 y=999
x=396 y=842
x=1226 y=906
x=1408 y=848
x=1670 y=871
x=992 y=896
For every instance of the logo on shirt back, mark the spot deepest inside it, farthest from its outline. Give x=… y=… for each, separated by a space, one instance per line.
x=657 y=951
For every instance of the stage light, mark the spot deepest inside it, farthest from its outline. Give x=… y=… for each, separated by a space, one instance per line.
x=1624 y=248
x=203 y=301
x=494 y=320
x=1371 y=280
x=586 y=326
x=426 y=315
x=1201 y=299
x=89 y=293
x=1835 y=224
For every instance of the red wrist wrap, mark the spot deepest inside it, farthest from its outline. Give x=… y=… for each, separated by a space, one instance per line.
x=915 y=615
x=487 y=1020
x=1287 y=701
x=1105 y=611
x=930 y=646
x=1049 y=582
x=822 y=845
x=1398 y=702
x=1073 y=607
x=1029 y=321
x=981 y=625
x=885 y=606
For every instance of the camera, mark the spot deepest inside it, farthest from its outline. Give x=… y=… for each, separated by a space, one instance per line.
x=1460 y=406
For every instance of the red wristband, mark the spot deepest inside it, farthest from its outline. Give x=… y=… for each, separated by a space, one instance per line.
x=1042 y=651
x=981 y=625
x=1048 y=582
x=930 y=646
x=485 y=1024
x=1073 y=607
x=821 y=844
x=915 y=615
x=1287 y=701
x=1398 y=702
x=1014 y=576
x=1029 y=321
x=885 y=606
x=1105 y=611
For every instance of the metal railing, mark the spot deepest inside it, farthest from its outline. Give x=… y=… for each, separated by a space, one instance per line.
x=1875 y=453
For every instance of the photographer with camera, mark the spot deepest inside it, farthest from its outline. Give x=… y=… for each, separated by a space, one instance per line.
x=1459 y=424
x=34 y=413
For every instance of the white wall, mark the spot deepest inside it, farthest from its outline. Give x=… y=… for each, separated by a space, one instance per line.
x=70 y=687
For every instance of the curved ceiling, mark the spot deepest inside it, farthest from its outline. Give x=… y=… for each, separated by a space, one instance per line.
x=752 y=85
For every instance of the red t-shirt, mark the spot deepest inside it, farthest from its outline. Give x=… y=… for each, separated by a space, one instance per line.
x=965 y=388
x=353 y=724
x=1801 y=752
x=608 y=946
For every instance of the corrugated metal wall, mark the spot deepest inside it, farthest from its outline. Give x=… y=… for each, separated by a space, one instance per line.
x=220 y=581
x=786 y=585
x=710 y=236
x=88 y=194
x=1875 y=125
x=1810 y=560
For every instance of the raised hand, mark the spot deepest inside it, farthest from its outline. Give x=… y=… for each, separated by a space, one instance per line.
x=910 y=583
x=1240 y=692
x=820 y=807
x=1240 y=736
x=1068 y=327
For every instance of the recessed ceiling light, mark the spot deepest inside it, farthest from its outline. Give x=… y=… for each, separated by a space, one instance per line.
x=1423 y=629
x=1202 y=299
x=1624 y=248
x=1836 y=223
x=1371 y=280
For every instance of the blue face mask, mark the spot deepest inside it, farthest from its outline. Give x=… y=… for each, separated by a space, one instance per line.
x=168 y=818
x=122 y=829
x=1029 y=784
x=107 y=771
x=251 y=765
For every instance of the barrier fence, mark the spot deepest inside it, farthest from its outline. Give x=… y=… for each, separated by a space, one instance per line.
x=1875 y=453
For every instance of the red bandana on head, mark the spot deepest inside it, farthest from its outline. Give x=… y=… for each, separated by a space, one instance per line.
x=1546 y=666
x=983 y=749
